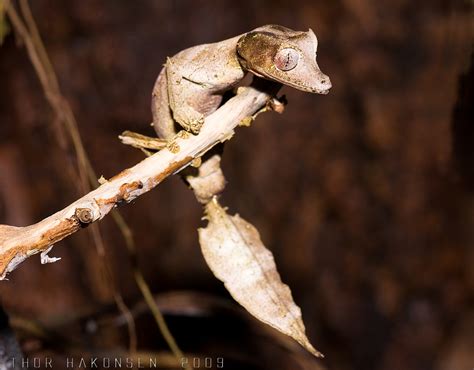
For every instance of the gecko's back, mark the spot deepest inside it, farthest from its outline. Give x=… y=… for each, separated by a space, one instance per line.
x=200 y=75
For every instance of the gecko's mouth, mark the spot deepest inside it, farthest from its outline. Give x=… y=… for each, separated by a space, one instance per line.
x=319 y=91
x=317 y=86
x=310 y=89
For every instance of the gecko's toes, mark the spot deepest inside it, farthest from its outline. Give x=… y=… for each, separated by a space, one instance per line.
x=190 y=119
x=195 y=125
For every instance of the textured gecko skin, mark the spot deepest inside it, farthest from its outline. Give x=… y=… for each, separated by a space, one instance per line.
x=191 y=84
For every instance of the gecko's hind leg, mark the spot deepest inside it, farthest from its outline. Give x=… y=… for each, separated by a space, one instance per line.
x=145 y=143
x=150 y=145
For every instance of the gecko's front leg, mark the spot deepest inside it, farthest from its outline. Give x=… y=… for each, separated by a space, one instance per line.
x=189 y=118
x=180 y=91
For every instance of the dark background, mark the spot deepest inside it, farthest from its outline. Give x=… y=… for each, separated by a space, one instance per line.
x=365 y=196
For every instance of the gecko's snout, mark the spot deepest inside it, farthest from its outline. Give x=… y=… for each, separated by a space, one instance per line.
x=323 y=85
x=326 y=83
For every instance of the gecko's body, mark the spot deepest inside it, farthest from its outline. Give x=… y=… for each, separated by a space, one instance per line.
x=191 y=84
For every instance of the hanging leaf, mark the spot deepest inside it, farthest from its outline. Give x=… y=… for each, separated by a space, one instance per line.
x=234 y=252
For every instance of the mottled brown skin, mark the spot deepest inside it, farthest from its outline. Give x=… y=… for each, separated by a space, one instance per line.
x=191 y=84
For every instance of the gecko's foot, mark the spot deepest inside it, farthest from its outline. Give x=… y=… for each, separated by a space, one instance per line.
x=195 y=126
x=189 y=119
x=173 y=146
x=145 y=143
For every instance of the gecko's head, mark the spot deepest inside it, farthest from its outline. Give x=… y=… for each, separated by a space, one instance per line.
x=283 y=55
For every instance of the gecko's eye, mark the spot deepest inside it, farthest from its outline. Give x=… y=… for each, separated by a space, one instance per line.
x=286 y=59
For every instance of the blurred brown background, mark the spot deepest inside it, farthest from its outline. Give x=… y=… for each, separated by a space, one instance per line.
x=365 y=196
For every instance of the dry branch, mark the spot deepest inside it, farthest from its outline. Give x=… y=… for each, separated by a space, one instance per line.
x=18 y=243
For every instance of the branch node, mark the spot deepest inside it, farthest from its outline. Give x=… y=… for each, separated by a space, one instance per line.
x=84 y=215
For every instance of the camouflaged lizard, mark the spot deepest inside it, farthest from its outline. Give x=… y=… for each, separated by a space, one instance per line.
x=192 y=83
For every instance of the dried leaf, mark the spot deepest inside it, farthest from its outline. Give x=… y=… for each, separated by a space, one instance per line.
x=236 y=255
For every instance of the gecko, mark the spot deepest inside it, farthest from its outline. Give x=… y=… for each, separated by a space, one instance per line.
x=192 y=83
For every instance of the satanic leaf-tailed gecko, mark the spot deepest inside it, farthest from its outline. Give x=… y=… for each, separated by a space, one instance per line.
x=191 y=84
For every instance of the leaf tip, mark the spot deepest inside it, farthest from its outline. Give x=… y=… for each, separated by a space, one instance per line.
x=308 y=346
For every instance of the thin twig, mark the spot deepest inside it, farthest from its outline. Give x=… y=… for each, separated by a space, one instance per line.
x=144 y=287
x=132 y=337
